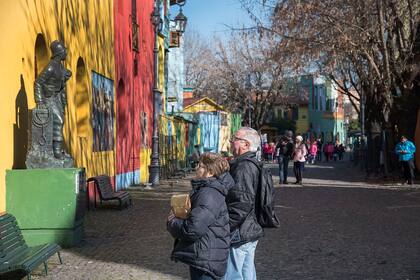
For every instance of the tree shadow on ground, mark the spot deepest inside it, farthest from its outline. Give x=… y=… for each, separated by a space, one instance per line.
x=135 y=236
x=340 y=172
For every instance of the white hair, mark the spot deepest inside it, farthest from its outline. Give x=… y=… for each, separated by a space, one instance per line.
x=252 y=136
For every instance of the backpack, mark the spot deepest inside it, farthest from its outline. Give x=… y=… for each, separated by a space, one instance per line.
x=264 y=198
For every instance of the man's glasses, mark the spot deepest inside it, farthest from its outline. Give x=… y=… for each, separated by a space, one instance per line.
x=233 y=139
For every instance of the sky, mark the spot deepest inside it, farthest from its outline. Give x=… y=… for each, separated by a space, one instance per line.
x=210 y=17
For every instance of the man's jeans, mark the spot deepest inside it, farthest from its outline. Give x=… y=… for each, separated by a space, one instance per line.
x=283 y=168
x=408 y=170
x=241 y=262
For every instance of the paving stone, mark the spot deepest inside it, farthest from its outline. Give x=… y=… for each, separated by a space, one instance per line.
x=335 y=226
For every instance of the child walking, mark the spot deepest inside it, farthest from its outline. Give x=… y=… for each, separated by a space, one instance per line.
x=203 y=239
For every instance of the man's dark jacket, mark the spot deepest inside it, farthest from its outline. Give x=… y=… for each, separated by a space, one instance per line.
x=203 y=240
x=286 y=149
x=241 y=201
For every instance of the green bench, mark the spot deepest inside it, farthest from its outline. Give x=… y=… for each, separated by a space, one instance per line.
x=16 y=258
x=102 y=183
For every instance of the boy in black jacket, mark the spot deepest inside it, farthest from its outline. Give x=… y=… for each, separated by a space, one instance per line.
x=203 y=240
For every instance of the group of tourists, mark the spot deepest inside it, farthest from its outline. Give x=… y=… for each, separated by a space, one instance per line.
x=219 y=237
x=297 y=151
x=316 y=150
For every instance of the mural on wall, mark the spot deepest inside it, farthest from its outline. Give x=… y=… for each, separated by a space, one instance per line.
x=102 y=113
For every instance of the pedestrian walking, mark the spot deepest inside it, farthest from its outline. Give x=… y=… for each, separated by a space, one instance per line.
x=341 y=151
x=319 y=153
x=313 y=150
x=299 y=154
x=285 y=150
x=195 y=156
x=405 y=151
x=273 y=151
x=203 y=239
x=335 y=151
x=244 y=228
x=266 y=151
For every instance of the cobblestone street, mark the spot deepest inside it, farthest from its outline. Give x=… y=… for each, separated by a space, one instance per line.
x=334 y=227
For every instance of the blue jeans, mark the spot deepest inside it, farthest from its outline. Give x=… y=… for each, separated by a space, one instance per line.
x=283 y=168
x=241 y=262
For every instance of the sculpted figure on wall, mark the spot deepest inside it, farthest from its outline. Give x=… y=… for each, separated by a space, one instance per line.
x=46 y=143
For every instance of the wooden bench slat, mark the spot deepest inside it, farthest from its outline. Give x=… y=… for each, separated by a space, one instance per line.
x=15 y=253
x=36 y=256
x=103 y=184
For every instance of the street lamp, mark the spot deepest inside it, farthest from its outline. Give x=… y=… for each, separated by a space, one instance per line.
x=181 y=19
x=154 y=164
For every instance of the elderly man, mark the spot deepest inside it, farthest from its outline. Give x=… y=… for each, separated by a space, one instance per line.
x=244 y=228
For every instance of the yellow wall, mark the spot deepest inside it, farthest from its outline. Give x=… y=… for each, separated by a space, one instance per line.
x=161 y=70
x=302 y=124
x=224 y=136
x=85 y=35
x=145 y=162
x=202 y=106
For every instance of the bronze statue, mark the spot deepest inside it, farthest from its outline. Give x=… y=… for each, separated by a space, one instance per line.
x=48 y=116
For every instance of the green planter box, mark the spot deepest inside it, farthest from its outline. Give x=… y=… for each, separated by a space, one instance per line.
x=49 y=204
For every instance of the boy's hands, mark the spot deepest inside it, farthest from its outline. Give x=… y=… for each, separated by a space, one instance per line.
x=171 y=216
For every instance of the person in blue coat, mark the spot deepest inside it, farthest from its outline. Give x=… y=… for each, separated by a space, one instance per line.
x=405 y=151
x=203 y=239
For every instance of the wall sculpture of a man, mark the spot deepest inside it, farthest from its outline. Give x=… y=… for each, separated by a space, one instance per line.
x=50 y=93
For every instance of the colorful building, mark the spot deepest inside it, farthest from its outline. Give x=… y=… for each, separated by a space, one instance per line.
x=110 y=53
x=215 y=124
x=134 y=37
x=326 y=114
x=292 y=112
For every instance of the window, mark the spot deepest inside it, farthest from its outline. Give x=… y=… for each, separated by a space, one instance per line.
x=134 y=26
x=135 y=67
x=295 y=112
x=144 y=129
x=174 y=39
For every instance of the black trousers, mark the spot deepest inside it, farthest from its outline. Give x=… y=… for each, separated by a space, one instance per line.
x=408 y=167
x=298 y=169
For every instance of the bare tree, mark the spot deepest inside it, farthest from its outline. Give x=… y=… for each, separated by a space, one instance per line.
x=368 y=42
x=241 y=74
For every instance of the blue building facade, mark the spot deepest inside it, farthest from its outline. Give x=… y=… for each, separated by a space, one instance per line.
x=326 y=114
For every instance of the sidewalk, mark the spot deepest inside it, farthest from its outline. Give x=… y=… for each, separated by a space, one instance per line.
x=134 y=244
x=338 y=174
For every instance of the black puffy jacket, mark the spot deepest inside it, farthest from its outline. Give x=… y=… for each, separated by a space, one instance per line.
x=241 y=201
x=203 y=240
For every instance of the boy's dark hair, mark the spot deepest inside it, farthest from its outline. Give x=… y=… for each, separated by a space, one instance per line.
x=214 y=163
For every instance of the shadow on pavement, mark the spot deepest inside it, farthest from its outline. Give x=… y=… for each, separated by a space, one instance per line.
x=341 y=171
x=136 y=236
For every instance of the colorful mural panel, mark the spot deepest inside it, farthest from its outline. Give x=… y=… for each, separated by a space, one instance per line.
x=103 y=114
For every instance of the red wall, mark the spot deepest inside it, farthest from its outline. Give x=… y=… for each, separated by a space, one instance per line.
x=133 y=93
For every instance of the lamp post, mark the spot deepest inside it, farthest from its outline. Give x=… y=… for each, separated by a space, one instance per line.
x=181 y=21
x=154 y=164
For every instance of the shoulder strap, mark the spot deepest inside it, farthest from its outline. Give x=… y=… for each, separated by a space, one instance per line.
x=254 y=161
